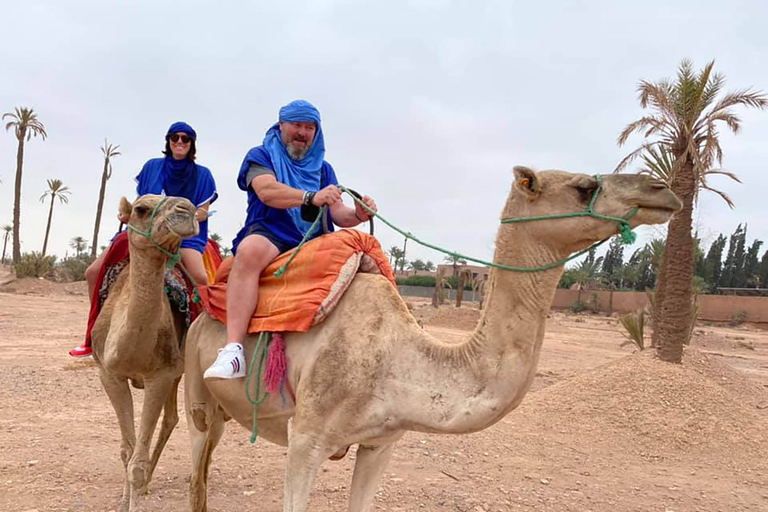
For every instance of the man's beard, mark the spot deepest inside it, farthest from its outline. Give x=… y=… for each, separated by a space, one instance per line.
x=296 y=152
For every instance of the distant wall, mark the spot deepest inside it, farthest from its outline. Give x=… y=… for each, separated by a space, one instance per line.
x=715 y=308
x=428 y=291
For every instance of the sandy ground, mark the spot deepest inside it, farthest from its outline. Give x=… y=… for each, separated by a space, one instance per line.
x=602 y=430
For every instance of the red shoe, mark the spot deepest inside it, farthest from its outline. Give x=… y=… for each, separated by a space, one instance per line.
x=81 y=351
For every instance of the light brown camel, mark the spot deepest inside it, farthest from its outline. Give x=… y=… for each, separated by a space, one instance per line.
x=368 y=373
x=137 y=337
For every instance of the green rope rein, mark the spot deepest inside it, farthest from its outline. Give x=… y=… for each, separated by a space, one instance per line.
x=627 y=235
x=256 y=367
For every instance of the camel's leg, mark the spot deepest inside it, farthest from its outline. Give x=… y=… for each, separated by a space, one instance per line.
x=369 y=466
x=122 y=402
x=305 y=455
x=203 y=444
x=155 y=392
x=170 y=420
x=205 y=421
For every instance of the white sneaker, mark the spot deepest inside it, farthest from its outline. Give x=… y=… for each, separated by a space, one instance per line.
x=230 y=363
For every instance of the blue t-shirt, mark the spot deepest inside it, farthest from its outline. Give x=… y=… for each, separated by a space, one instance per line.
x=277 y=220
x=154 y=179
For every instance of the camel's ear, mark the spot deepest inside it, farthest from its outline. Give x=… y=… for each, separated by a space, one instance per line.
x=125 y=208
x=527 y=181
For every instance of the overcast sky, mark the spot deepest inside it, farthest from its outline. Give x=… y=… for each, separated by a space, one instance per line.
x=427 y=105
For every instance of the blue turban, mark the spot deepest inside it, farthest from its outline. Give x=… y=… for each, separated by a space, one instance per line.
x=304 y=174
x=182 y=127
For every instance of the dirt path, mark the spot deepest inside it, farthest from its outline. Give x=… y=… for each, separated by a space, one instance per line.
x=631 y=435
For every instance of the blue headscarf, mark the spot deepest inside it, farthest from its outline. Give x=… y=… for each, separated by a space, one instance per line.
x=180 y=176
x=304 y=174
x=182 y=127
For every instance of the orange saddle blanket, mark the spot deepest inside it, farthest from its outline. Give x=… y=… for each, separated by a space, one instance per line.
x=309 y=288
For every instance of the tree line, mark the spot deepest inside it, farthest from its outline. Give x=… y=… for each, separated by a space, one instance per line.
x=740 y=266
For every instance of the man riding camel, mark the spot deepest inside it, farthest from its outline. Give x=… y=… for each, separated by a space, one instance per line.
x=287 y=171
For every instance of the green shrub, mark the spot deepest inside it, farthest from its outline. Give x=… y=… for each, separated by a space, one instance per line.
x=34 y=264
x=578 y=306
x=634 y=325
x=738 y=319
x=428 y=281
x=73 y=269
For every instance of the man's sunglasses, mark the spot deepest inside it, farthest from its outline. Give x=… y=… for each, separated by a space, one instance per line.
x=184 y=138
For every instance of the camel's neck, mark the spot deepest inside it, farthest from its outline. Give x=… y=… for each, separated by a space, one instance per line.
x=146 y=284
x=495 y=367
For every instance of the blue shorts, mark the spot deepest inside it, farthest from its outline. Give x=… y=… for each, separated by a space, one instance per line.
x=258 y=229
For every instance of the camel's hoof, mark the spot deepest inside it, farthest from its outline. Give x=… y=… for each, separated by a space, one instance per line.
x=340 y=454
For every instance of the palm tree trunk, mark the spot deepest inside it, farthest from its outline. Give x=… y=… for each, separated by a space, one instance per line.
x=48 y=227
x=658 y=299
x=460 y=291
x=17 y=198
x=676 y=276
x=99 y=207
x=5 y=243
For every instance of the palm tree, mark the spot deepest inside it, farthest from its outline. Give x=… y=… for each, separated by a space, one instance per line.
x=455 y=260
x=587 y=272
x=215 y=237
x=25 y=125
x=7 y=230
x=55 y=189
x=78 y=244
x=685 y=115
x=226 y=251
x=109 y=151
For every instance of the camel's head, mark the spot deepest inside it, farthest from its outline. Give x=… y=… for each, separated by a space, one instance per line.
x=539 y=194
x=164 y=220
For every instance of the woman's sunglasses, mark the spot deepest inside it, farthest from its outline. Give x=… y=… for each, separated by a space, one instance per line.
x=184 y=138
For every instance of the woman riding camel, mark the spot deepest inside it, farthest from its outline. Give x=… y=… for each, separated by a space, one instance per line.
x=177 y=175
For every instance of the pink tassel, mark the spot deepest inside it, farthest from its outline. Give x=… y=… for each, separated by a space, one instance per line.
x=277 y=364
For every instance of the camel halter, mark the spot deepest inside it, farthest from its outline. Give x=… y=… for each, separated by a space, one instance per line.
x=173 y=257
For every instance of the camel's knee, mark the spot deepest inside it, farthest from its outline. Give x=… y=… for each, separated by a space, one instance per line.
x=126 y=452
x=170 y=418
x=199 y=417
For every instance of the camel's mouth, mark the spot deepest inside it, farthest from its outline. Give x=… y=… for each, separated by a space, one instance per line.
x=655 y=214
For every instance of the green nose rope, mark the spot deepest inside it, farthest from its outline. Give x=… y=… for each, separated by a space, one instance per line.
x=627 y=235
x=174 y=258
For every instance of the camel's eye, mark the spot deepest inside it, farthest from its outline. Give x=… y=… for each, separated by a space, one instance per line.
x=585 y=193
x=141 y=210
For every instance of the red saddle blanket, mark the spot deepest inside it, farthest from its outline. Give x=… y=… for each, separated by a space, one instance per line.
x=117 y=257
x=309 y=288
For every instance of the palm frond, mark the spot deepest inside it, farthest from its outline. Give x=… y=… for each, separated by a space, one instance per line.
x=634 y=154
x=722 y=194
x=723 y=172
x=745 y=97
x=644 y=123
x=659 y=163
